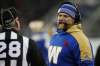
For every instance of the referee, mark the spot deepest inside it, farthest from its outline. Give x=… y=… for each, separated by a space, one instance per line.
x=16 y=50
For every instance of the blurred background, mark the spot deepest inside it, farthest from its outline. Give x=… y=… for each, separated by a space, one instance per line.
x=39 y=17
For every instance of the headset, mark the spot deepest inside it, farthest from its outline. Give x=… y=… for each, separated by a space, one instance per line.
x=7 y=16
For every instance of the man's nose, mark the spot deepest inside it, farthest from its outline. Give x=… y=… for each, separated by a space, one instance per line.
x=61 y=17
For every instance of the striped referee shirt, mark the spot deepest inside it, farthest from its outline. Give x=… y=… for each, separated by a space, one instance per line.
x=17 y=50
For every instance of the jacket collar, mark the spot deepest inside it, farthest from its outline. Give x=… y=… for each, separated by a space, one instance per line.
x=75 y=28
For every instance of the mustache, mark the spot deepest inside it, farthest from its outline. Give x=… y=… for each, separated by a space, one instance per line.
x=61 y=21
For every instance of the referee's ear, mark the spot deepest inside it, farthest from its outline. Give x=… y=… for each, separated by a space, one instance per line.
x=17 y=26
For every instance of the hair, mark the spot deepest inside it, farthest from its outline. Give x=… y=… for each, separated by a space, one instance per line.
x=8 y=17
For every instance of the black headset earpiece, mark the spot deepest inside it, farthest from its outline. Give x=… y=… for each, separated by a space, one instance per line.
x=77 y=16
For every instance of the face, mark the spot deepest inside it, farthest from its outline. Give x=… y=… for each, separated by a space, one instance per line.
x=64 y=20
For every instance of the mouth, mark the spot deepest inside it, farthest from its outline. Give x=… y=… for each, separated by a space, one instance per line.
x=61 y=22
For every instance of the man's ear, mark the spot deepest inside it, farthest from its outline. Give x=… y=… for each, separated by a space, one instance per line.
x=17 y=23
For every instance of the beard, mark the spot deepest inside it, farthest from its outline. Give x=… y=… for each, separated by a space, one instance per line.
x=61 y=25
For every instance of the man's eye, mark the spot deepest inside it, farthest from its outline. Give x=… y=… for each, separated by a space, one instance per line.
x=66 y=16
x=60 y=15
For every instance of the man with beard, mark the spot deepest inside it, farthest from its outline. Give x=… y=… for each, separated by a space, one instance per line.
x=70 y=46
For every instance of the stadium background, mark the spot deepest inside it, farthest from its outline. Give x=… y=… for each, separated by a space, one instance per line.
x=39 y=17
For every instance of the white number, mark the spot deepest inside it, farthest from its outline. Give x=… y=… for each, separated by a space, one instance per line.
x=13 y=51
x=53 y=53
x=2 y=48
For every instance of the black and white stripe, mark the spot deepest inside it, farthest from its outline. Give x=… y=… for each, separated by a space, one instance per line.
x=8 y=37
x=18 y=50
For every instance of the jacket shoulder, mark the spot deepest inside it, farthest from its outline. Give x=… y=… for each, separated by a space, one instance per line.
x=84 y=45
